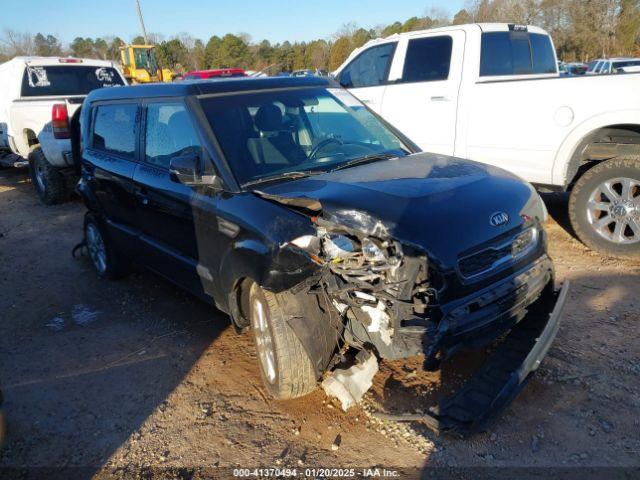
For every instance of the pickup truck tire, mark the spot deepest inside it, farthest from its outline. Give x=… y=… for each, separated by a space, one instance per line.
x=608 y=222
x=108 y=262
x=47 y=180
x=285 y=366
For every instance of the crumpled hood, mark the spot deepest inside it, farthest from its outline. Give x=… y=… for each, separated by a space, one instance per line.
x=441 y=204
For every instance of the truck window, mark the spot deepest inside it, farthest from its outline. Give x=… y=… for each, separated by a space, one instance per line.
x=114 y=128
x=370 y=68
x=40 y=81
x=169 y=133
x=516 y=53
x=428 y=59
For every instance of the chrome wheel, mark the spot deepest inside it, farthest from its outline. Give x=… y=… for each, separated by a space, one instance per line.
x=96 y=247
x=264 y=340
x=613 y=210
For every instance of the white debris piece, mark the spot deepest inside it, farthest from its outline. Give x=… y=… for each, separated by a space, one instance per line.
x=349 y=385
x=379 y=321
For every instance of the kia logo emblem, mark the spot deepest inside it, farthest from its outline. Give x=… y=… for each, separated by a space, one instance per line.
x=499 y=218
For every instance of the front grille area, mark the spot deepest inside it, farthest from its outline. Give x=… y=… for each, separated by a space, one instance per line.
x=495 y=256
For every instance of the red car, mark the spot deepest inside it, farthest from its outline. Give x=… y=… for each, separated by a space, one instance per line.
x=216 y=73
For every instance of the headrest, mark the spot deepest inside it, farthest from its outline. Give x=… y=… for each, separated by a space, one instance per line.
x=269 y=118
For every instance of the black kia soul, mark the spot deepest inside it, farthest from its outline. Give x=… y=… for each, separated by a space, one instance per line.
x=296 y=210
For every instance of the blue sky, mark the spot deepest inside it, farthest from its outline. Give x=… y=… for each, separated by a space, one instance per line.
x=275 y=20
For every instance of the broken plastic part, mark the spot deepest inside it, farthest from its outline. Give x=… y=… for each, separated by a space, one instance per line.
x=379 y=321
x=349 y=385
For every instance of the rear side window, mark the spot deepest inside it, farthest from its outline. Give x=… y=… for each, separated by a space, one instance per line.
x=370 y=68
x=114 y=129
x=428 y=59
x=169 y=133
x=516 y=53
x=67 y=80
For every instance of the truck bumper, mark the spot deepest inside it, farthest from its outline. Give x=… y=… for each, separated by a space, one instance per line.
x=504 y=374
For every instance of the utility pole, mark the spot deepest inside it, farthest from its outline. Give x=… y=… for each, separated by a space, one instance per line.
x=144 y=30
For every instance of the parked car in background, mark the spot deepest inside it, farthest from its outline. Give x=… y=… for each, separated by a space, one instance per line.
x=591 y=66
x=492 y=93
x=38 y=98
x=576 y=68
x=614 y=65
x=304 y=216
x=214 y=73
x=309 y=73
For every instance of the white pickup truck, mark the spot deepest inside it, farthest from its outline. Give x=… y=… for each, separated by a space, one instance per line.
x=38 y=99
x=492 y=93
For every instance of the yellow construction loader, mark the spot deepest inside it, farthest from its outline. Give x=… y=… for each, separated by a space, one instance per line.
x=140 y=65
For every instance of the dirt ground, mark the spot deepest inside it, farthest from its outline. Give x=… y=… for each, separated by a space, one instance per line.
x=122 y=376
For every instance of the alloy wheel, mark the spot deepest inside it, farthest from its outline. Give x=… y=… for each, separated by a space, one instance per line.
x=264 y=340
x=613 y=210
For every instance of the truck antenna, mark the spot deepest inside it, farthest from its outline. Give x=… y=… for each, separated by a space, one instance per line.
x=144 y=30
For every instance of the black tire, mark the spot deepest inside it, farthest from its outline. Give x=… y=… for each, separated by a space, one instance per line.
x=293 y=373
x=112 y=265
x=579 y=206
x=47 y=180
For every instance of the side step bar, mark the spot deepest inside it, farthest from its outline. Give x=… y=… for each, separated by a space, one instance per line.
x=502 y=376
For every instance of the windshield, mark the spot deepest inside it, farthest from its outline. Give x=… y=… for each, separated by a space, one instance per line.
x=273 y=134
x=67 y=80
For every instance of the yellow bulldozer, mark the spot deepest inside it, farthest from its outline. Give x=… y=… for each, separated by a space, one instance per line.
x=140 y=65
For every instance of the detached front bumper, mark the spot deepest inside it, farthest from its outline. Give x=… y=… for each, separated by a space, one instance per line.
x=504 y=374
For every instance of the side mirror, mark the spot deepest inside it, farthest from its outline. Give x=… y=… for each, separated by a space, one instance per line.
x=185 y=169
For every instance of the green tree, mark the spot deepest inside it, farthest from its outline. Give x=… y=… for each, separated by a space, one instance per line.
x=340 y=50
x=101 y=48
x=172 y=54
x=211 y=52
x=233 y=52
x=48 y=46
x=82 y=47
x=462 y=17
x=360 y=37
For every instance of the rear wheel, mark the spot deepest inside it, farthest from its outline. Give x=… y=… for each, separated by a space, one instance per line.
x=605 y=207
x=47 y=180
x=107 y=261
x=287 y=370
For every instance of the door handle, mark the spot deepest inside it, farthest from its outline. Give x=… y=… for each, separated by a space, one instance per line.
x=440 y=98
x=141 y=194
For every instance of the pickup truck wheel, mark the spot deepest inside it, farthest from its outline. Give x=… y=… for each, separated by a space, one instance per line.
x=46 y=179
x=107 y=261
x=287 y=370
x=604 y=207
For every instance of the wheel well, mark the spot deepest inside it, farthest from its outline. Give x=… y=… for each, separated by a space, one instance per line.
x=30 y=137
x=602 y=144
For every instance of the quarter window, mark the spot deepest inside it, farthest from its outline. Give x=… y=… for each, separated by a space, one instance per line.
x=169 y=133
x=370 y=68
x=428 y=59
x=114 y=129
x=516 y=53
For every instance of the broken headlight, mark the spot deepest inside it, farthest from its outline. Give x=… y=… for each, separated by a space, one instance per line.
x=338 y=246
x=372 y=251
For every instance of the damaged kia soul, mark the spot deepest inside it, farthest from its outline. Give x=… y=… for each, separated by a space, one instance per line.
x=309 y=220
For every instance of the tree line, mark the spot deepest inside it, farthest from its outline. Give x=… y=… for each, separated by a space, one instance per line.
x=581 y=29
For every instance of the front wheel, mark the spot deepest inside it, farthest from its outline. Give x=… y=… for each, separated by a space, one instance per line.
x=604 y=207
x=287 y=370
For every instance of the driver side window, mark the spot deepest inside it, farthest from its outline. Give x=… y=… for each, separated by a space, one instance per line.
x=169 y=133
x=370 y=68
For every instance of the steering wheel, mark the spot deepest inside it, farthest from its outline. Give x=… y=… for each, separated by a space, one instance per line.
x=322 y=144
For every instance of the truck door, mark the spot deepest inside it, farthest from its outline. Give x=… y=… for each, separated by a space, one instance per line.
x=421 y=99
x=366 y=75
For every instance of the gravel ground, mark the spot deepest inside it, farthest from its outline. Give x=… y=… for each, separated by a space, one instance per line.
x=116 y=377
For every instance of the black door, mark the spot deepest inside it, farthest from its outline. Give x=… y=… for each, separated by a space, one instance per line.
x=108 y=167
x=167 y=208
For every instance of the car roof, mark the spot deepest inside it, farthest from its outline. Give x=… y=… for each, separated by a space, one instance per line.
x=207 y=87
